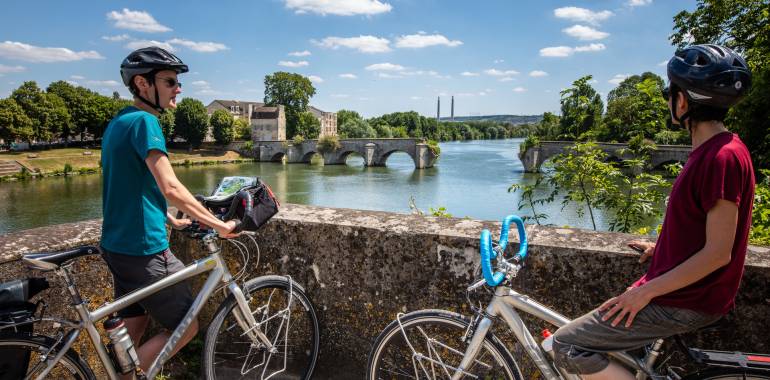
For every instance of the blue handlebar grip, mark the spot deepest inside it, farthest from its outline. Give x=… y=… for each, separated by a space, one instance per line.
x=493 y=279
x=522 y=234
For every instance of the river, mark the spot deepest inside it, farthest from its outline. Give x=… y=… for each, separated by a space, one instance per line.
x=470 y=179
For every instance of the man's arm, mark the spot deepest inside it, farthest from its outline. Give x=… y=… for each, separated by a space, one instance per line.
x=179 y=196
x=721 y=223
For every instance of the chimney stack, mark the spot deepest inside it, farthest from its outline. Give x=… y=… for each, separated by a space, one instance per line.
x=453 y=108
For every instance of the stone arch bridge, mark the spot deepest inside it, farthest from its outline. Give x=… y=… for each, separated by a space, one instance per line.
x=374 y=151
x=534 y=157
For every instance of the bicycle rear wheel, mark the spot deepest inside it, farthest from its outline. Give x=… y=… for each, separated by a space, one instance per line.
x=26 y=356
x=286 y=317
x=729 y=374
x=428 y=344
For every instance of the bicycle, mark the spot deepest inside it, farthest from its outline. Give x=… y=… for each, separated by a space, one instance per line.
x=265 y=328
x=439 y=344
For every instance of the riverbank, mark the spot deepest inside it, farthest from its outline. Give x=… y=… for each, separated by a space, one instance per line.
x=78 y=161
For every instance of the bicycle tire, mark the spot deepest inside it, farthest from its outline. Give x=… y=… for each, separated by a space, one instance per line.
x=69 y=367
x=224 y=332
x=729 y=373
x=382 y=363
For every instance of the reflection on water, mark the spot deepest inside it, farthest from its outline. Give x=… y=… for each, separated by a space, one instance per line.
x=470 y=179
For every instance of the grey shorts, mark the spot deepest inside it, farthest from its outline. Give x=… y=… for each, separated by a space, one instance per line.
x=580 y=345
x=168 y=306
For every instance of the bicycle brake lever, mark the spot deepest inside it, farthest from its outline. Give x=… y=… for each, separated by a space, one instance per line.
x=477 y=285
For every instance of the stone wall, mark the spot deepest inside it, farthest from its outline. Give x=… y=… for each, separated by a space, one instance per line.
x=360 y=268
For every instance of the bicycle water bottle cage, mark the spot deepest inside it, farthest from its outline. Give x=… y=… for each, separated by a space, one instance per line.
x=494 y=278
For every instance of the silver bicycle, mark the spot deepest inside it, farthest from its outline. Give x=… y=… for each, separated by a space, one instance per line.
x=266 y=328
x=439 y=344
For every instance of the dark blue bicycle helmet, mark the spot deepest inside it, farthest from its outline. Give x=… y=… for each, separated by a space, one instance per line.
x=146 y=62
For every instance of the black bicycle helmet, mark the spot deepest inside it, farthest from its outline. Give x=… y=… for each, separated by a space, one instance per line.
x=146 y=62
x=710 y=75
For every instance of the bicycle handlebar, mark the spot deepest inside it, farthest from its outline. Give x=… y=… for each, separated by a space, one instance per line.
x=488 y=252
x=247 y=201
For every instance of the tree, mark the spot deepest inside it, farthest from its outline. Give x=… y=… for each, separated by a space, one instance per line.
x=191 y=121
x=344 y=115
x=242 y=129
x=167 y=123
x=636 y=107
x=308 y=126
x=293 y=91
x=356 y=129
x=581 y=108
x=57 y=118
x=83 y=106
x=743 y=25
x=549 y=128
x=14 y=123
x=32 y=100
x=222 y=127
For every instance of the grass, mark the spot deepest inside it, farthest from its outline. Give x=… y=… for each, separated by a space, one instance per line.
x=51 y=161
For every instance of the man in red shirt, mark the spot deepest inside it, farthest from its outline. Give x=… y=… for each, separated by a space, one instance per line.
x=697 y=262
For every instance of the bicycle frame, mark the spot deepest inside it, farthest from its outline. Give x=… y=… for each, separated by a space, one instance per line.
x=219 y=273
x=504 y=304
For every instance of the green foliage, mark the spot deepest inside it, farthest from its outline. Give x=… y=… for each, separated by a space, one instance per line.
x=167 y=122
x=529 y=199
x=328 y=144
x=582 y=176
x=760 y=217
x=581 y=108
x=434 y=147
x=308 y=126
x=344 y=115
x=67 y=168
x=298 y=139
x=636 y=107
x=248 y=146
x=383 y=131
x=440 y=212
x=743 y=25
x=530 y=142
x=222 y=127
x=666 y=137
x=293 y=91
x=191 y=121
x=356 y=129
x=242 y=129
x=14 y=122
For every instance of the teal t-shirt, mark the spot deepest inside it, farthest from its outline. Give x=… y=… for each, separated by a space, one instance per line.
x=134 y=208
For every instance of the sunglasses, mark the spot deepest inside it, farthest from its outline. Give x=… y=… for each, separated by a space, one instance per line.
x=170 y=82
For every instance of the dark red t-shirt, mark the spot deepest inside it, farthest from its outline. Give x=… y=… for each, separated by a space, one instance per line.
x=720 y=168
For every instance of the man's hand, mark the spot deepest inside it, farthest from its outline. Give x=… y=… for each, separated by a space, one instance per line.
x=180 y=223
x=225 y=229
x=646 y=248
x=629 y=303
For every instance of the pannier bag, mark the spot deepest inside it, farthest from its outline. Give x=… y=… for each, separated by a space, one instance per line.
x=16 y=308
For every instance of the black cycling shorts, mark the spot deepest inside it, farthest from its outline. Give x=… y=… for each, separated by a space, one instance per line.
x=168 y=306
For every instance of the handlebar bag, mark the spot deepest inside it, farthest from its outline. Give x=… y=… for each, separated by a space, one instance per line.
x=265 y=206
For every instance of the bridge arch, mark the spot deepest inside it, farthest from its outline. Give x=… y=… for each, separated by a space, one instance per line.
x=277 y=156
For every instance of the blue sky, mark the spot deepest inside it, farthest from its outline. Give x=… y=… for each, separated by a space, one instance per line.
x=373 y=56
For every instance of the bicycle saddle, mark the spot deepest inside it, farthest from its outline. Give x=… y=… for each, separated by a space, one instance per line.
x=47 y=261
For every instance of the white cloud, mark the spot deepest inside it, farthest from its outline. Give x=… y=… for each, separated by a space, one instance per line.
x=339 y=7
x=293 y=63
x=500 y=73
x=638 y=3
x=77 y=77
x=582 y=14
x=315 y=79
x=364 y=44
x=139 y=21
x=30 y=53
x=200 y=83
x=585 y=33
x=200 y=47
x=11 y=69
x=108 y=83
x=72 y=82
x=469 y=74
x=618 y=78
x=385 y=67
x=566 y=51
x=499 y=61
x=417 y=41
x=118 y=38
x=348 y=76
x=303 y=53
x=538 y=73
x=208 y=91
x=506 y=79
x=138 y=44
x=389 y=76
x=519 y=89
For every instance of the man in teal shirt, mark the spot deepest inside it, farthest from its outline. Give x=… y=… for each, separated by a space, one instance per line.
x=138 y=179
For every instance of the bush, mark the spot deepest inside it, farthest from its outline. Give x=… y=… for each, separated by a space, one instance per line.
x=328 y=144
x=242 y=129
x=248 y=146
x=298 y=139
x=667 y=137
x=433 y=146
x=760 y=218
x=67 y=169
x=530 y=142
x=222 y=127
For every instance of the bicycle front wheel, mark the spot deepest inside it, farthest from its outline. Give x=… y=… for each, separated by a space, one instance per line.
x=24 y=356
x=285 y=316
x=429 y=344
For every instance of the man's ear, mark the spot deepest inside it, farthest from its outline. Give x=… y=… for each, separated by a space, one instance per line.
x=681 y=102
x=141 y=82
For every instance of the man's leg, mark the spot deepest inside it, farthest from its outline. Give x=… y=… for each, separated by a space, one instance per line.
x=136 y=327
x=151 y=348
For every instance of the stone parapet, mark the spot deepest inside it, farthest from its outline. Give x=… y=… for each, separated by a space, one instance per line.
x=360 y=268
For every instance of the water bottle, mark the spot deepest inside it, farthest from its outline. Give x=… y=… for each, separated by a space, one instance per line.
x=121 y=347
x=547 y=342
